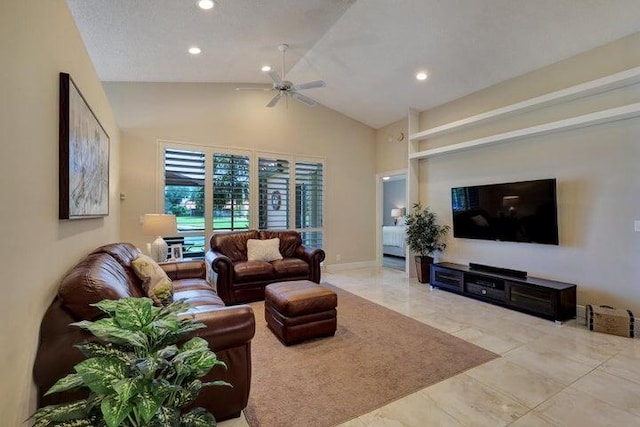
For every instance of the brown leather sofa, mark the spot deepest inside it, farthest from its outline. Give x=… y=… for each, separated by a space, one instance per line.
x=238 y=280
x=106 y=273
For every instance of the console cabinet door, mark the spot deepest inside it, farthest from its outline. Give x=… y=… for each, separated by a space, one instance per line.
x=446 y=278
x=538 y=300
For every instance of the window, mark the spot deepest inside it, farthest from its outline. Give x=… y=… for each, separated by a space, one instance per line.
x=309 y=202
x=230 y=191
x=218 y=189
x=184 y=173
x=273 y=199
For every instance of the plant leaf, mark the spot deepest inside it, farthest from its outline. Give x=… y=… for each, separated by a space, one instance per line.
x=115 y=411
x=217 y=383
x=133 y=313
x=168 y=352
x=126 y=388
x=197 y=417
x=100 y=373
x=62 y=412
x=147 y=406
x=188 y=393
x=76 y=422
x=69 y=382
x=94 y=349
x=196 y=343
x=162 y=388
x=177 y=307
x=108 y=330
x=166 y=417
x=149 y=365
x=107 y=305
x=195 y=362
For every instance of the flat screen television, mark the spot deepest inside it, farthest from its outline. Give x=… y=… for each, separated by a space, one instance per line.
x=513 y=212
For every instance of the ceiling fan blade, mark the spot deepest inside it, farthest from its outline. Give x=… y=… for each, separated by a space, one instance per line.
x=304 y=99
x=261 y=89
x=274 y=100
x=310 y=85
x=275 y=77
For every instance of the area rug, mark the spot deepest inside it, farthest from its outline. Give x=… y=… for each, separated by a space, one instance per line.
x=376 y=356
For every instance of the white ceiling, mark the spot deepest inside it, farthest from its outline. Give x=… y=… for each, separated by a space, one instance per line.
x=367 y=51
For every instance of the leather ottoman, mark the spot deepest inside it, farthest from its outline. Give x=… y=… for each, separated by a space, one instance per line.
x=300 y=310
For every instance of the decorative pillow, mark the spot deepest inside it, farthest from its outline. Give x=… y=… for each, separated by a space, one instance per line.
x=402 y=220
x=155 y=281
x=263 y=250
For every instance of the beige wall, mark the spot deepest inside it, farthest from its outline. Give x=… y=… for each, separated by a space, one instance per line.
x=38 y=39
x=391 y=154
x=218 y=115
x=595 y=169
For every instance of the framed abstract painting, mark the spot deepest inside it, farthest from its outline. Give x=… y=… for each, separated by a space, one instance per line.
x=83 y=157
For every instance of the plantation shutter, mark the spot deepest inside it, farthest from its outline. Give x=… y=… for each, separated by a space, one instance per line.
x=184 y=180
x=273 y=196
x=184 y=188
x=230 y=191
x=309 y=202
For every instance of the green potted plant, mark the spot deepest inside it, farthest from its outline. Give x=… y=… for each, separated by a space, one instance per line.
x=424 y=238
x=135 y=373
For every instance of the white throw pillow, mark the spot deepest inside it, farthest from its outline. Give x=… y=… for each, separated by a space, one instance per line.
x=263 y=250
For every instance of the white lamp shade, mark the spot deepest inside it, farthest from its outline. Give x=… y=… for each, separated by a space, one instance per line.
x=159 y=225
x=396 y=213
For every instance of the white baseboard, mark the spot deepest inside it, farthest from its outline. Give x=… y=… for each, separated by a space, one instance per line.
x=332 y=268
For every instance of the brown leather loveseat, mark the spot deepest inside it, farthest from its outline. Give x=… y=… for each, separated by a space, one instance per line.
x=106 y=273
x=239 y=280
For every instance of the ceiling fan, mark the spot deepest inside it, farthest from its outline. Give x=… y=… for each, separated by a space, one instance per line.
x=286 y=88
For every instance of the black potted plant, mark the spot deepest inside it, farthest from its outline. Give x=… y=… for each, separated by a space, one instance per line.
x=424 y=238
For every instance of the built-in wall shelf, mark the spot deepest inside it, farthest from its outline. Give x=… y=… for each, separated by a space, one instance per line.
x=603 y=84
x=599 y=117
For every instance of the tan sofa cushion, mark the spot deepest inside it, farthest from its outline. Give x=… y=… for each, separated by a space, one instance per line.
x=155 y=281
x=263 y=250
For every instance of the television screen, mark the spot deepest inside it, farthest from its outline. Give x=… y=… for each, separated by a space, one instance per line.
x=513 y=212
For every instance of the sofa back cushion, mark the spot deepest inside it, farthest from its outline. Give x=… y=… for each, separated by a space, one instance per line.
x=98 y=276
x=233 y=244
x=289 y=241
x=124 y=253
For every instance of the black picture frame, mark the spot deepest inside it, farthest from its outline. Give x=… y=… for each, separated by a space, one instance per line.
x=84 y=148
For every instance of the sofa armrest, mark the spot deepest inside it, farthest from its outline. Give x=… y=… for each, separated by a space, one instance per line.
x=221 y=275
x=313 y=257
x=227 y=327
x=310 y=254
x=177 y=270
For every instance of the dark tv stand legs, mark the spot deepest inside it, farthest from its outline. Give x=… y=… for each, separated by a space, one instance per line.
x=548 y=299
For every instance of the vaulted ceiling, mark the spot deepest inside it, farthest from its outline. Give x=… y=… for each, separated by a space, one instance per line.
x=367 y=51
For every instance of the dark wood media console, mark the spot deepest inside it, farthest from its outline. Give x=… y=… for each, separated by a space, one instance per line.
x=544 y=298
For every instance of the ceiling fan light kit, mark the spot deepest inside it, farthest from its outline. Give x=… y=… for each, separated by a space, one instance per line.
x=286 y=88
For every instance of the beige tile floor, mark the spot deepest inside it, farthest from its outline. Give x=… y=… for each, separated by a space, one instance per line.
x=548 y=375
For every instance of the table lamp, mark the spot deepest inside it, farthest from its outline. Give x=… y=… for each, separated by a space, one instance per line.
x=395 y=214
x=159 y=225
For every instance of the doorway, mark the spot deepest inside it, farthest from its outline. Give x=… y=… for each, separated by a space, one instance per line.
x=392 y=208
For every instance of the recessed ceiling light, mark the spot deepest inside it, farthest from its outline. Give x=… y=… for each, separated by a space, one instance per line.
x=266 y=68
x=386 y=178
x=422 y=75
x=206 y=4
x=195 y=50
